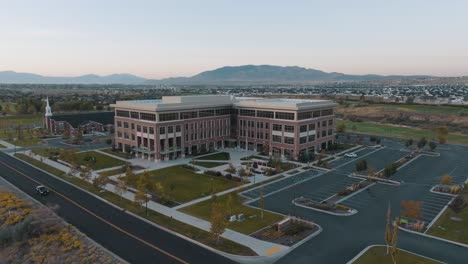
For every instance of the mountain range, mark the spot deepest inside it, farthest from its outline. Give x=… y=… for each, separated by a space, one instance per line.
x=228 y=75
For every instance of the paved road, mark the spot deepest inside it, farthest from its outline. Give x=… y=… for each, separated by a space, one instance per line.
x=127 y=236
x=344 y=237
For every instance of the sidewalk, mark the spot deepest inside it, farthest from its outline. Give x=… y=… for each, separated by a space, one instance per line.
x=6 y=144
x=262 y=248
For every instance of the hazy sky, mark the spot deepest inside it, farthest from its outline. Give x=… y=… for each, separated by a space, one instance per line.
x=158 y=39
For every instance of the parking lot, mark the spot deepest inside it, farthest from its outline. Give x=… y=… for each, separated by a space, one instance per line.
x=344 y=159
x=281 y=184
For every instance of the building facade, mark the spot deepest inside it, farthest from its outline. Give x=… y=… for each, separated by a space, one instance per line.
x=176 y=126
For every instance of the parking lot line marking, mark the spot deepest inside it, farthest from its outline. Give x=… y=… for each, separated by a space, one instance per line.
x=273 y=250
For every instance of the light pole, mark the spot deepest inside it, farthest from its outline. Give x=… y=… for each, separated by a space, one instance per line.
x=146 y=199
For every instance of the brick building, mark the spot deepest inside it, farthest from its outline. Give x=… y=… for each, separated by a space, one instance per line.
x=176 y=126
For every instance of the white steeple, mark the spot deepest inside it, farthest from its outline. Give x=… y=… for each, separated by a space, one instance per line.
x=48 y=110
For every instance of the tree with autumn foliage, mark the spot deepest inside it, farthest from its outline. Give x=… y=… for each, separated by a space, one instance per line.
x=411 y=209
x=388 y=230
x=218 y=220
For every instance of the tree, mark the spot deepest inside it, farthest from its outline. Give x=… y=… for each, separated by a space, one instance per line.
x=261 y=202
x=341 y=128
x=370 y=172
x=432 y=145
x=129 y=173
x=411 y=209
x=409 y=142
x=458 y=204
x=394 y=250
x=217 y=220
x=442 y=134
x=85 y=173
x=422 y=142
x=231 y=169
x=66 y=134
x=266 y=149
x=120 y=188
x=446 y=179
x=230 y=204
x=388 y=231
x=79 y=135
x=101 y=180
x=361 y=165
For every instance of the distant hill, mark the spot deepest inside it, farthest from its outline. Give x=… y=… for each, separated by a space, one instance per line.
x=229 y=75
x=17 y=77
x=268 y=74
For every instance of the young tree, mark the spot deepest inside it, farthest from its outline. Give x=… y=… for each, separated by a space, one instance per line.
x=266 y=149
x=411 y=209
x=388 y=230
x=120 y=188
x=370 y=172
x=394 y=250
x=79 y=135
x=85 y=173
x=230 y=204
x=432 y=145
x=409 y=142
x=129 y=173
x=442 y=134
x=217 y=220
x=101 y=180
x=446 y=179
x=458 y=204
x=261 y=202
x=422 y=142
x=361 y=165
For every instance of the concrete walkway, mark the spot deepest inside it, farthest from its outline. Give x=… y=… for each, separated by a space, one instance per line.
x=262 y=248
x=6 y=144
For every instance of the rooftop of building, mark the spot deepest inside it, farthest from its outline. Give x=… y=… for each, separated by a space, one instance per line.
x=168 y=103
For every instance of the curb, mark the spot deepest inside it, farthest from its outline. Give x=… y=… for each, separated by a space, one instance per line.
x=433 y=237
x=353 y=212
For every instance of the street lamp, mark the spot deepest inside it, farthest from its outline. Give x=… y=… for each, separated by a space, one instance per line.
x=146 y=199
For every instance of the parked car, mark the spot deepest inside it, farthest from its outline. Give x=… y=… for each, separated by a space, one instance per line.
x=351 y=155
x=42 y=190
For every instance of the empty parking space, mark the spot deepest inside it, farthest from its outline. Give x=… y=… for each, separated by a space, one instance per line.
x=329 y=190
x=344 y=159
x=376 y=160
x=374 y=193
x=281 y=184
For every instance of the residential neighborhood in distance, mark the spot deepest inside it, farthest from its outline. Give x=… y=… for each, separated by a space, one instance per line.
x=233 y=132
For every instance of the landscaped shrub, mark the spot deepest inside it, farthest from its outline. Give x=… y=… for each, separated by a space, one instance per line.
x=345 y=192
x=294 y=229
x=189 y=167
x=390 y=169
x=228 y=176
x=213 y=173
x=361 y=165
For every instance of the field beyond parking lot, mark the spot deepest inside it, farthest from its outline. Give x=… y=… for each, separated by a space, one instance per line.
x=186 y=184
x=377 y=254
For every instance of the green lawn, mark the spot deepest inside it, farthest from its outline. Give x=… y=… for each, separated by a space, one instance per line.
x=160 y=219
x=187 y=185
x=216 y=156
x=452 y=230
x=102 y=161
x=15 y=120
x=113 y=172
x=250 y=225
x=377 y=255
x=118 y=154
x=39 y=164
x=208 y=164
x=397 y=131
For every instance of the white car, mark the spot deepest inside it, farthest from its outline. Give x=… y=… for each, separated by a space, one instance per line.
x=351 y=155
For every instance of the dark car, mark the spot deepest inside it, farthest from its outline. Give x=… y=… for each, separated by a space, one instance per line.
x=42 y=190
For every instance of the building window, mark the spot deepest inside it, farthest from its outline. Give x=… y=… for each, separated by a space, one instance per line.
x=327 y=112
x=305 y=115
x=324 y=133
x=289 y=140
x=247 y=112
x=119 y=134
x=138 y=128
x=125 y=125
x=324 y=123
x=119 y=124
x=311 y=127
x=133 y=126
x=316 y=114
x=224 y=111
x=149 y=117
x=311 y=138
x=267 y=125
x=188 y=115
x=177 y=128
x=288 y=128
x=302 y=140
x=170 y=129
x=145 y=129
x=330 y=122
x=207 y=113
x=162 y=130
x=277 y=127
x=168 y=117
x=276 y=138
x=135 y=115
x=284 y=115
x=122 y=113
x=330 y=132
x=265 y=114
x=151 y=130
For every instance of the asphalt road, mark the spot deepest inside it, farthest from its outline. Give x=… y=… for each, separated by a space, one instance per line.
x=132 y=239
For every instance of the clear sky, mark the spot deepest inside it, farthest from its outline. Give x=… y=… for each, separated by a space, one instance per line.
x=158 y=39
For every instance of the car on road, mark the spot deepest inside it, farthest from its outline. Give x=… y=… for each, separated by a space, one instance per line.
x=42 y=190
x=351 y=155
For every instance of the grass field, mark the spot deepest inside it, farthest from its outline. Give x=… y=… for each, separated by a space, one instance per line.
x=101 y=161
x=377 y=255
x=14 y=120
x=118 y=154
x=436 y=109
x=208 y=164
x=187 y=185
x=398 y=131
x=215 y=156
x=449 y=229
x=160 y=219
x=112 y=172
x=252 y=220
